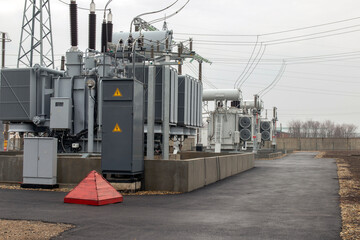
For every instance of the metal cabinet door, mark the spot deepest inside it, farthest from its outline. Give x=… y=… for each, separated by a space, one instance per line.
x=117 y=149
x=30 y=168
x=46 y=162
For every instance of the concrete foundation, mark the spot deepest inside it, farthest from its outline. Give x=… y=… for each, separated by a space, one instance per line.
x=160 y=175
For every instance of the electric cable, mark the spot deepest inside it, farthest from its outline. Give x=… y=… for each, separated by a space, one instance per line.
x=242 y=81
x=171 y=15
x=247 y=64
x=153 y=12
x=275 y=79
x=270 y=33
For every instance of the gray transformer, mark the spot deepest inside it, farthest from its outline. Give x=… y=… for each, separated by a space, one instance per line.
x=189 y=101
x=141 y=74
x=25 y=94
x=123 y=127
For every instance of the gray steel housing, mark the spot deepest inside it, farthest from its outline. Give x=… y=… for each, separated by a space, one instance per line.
x=123 y=150
x=20 y=94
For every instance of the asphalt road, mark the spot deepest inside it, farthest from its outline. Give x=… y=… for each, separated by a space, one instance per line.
x=291 y=198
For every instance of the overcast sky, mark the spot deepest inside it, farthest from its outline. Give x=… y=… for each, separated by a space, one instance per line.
x=310 y=88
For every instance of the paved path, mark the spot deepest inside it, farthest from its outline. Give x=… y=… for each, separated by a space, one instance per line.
x=292 y=198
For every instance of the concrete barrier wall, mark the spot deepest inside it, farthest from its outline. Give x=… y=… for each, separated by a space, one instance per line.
x=188 y=175
x=70 y=169
x=317 y=144
x=11 y=168
x=160 y=175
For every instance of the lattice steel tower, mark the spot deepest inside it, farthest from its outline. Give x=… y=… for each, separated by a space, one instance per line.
x=36 y=43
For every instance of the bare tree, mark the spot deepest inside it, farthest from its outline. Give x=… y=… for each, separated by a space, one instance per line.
x=330 y=128
x=305 y=129
x=349 y=130
x=295 y=128
x=325 y=129
x=316 y=128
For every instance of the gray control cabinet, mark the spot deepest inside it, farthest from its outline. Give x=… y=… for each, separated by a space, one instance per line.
x=40 y=161
x=60 y=113
x=123 y=127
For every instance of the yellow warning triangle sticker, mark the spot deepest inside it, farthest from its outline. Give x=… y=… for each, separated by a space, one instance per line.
x=117 y=93
x=117 y=128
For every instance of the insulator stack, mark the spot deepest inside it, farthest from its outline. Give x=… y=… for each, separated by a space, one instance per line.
x=92 y=31
x=103 y=37
x=62 y=68
x=109 y=31
x=73 y=23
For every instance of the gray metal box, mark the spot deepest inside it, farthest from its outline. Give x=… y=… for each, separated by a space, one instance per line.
x=18 y=94
x=123 y=127
x=60 y=113
x=40 y=161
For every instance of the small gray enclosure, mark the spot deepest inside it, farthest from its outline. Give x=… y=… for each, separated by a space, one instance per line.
x=40 y=161
x=123 y=127
x=60 y=113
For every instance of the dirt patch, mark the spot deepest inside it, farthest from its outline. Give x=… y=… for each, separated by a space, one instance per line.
x=31 y=230
x=348 y=163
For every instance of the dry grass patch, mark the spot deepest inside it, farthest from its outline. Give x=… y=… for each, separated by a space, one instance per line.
x=31 y=230
x=349 y=202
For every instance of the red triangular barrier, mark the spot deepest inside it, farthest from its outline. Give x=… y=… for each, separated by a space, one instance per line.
x=93 y=190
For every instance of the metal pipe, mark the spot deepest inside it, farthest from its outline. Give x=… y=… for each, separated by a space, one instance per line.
x=254 y=124
x=151 y=114
x=43 y=78
x=99 y=112
x=200 y=71
x=91 y=110
x=3 y=51
x=37 y=67
x=166 y=109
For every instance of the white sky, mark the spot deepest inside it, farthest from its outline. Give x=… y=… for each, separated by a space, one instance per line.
x=318 y=91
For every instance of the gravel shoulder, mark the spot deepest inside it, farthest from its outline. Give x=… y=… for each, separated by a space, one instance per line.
x=31 y=230
x=348 y=163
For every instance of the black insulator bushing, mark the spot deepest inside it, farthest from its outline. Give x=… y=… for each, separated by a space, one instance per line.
x=103 y=37
x=92 y=31
x=73 y=24
x=109 y=31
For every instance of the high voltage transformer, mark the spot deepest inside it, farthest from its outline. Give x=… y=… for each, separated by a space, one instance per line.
x=105 y=101
x=238 y=126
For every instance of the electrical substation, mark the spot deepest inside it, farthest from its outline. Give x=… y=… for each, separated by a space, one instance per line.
x=124 y=102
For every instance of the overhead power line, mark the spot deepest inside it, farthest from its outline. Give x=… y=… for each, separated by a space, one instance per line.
x=169 y=16
x=270 y=33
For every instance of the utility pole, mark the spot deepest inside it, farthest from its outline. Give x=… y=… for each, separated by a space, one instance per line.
x=4 y=38
x=36 y=35
x=4 y=128
x=255 y=124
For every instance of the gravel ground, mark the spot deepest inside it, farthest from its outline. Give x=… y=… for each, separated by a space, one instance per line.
x=348 y=163
x=31 y=230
